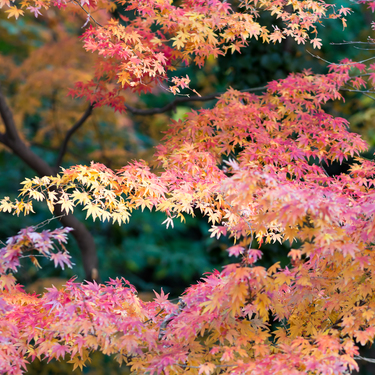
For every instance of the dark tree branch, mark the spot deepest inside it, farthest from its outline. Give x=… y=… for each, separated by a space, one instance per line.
x=7 y=117
x=2 y=138
x=172 y=105
x=83 y=237
x=19 y=148
x=69 y=134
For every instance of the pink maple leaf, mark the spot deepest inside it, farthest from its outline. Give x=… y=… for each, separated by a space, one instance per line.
x=235 y=250
x=161 y=298
x=34 y=10
x=61 y=259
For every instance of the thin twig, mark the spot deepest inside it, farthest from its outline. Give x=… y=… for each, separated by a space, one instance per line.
x=172 y=105
x=344 y=43
x=169 y=318
x=149 y=320
x=338 y=64
x=45 y=222
x=354 y=90
x=88 y=13
x=71 y=131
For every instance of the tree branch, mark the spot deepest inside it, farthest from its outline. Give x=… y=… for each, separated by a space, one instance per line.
x=359 y=358
x=6 y=115
x=69 y=134
x=83 y=237
x=172 y=105
x=350 y=42
x=340 y=64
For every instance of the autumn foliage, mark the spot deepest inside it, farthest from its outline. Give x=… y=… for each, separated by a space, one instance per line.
x=254 y=165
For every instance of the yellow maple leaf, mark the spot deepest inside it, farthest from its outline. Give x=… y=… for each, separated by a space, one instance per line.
x=180 y=39
x=66 y=204
x=81 y=197
x=6 y=205
x=14 y=12
x=36 y=195
x=94 y=210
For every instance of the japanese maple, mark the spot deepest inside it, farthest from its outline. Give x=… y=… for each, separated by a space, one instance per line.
x=253 y=165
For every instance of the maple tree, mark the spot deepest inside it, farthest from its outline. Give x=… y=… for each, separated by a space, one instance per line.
x=253 y=165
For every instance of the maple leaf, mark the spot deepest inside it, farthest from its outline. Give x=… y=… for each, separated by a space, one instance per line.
x=13 y=11
x=272 y=190
x=77 y=362
x=316 y=42
x=4 y=2
x=80 y=196
x=284 y=277
x=58 y=350
x=66 y=203
x=277 y=36
x=362 y=336
x=35 y=11
x=37 y=195
x=371 y=5
x=217 y=231
x=273 y=269
x=6 y=205
x=239 y=293
x=61 y=259
x=169 y=222
x=93 y=210
x=235 y=250
x=206 y=368
x=344 y=11
x=254 y=255
x=161 y=298
x=295 y=254
x=7 y=281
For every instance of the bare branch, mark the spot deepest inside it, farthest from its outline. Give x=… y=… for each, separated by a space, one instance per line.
x=169 y=318
x=2 y=138
x=172 y=105
x=363 y=92
x=71 y=131
x=88 y=14
x=7 y=116
x=12 y=140
x=81 y=234
x=338 y=64
x=344 y=43
x=359 y=358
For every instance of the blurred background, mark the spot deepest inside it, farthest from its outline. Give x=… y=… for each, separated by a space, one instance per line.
x=41 y=59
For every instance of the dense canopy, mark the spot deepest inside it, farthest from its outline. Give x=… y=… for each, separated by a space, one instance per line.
x=254 y=165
